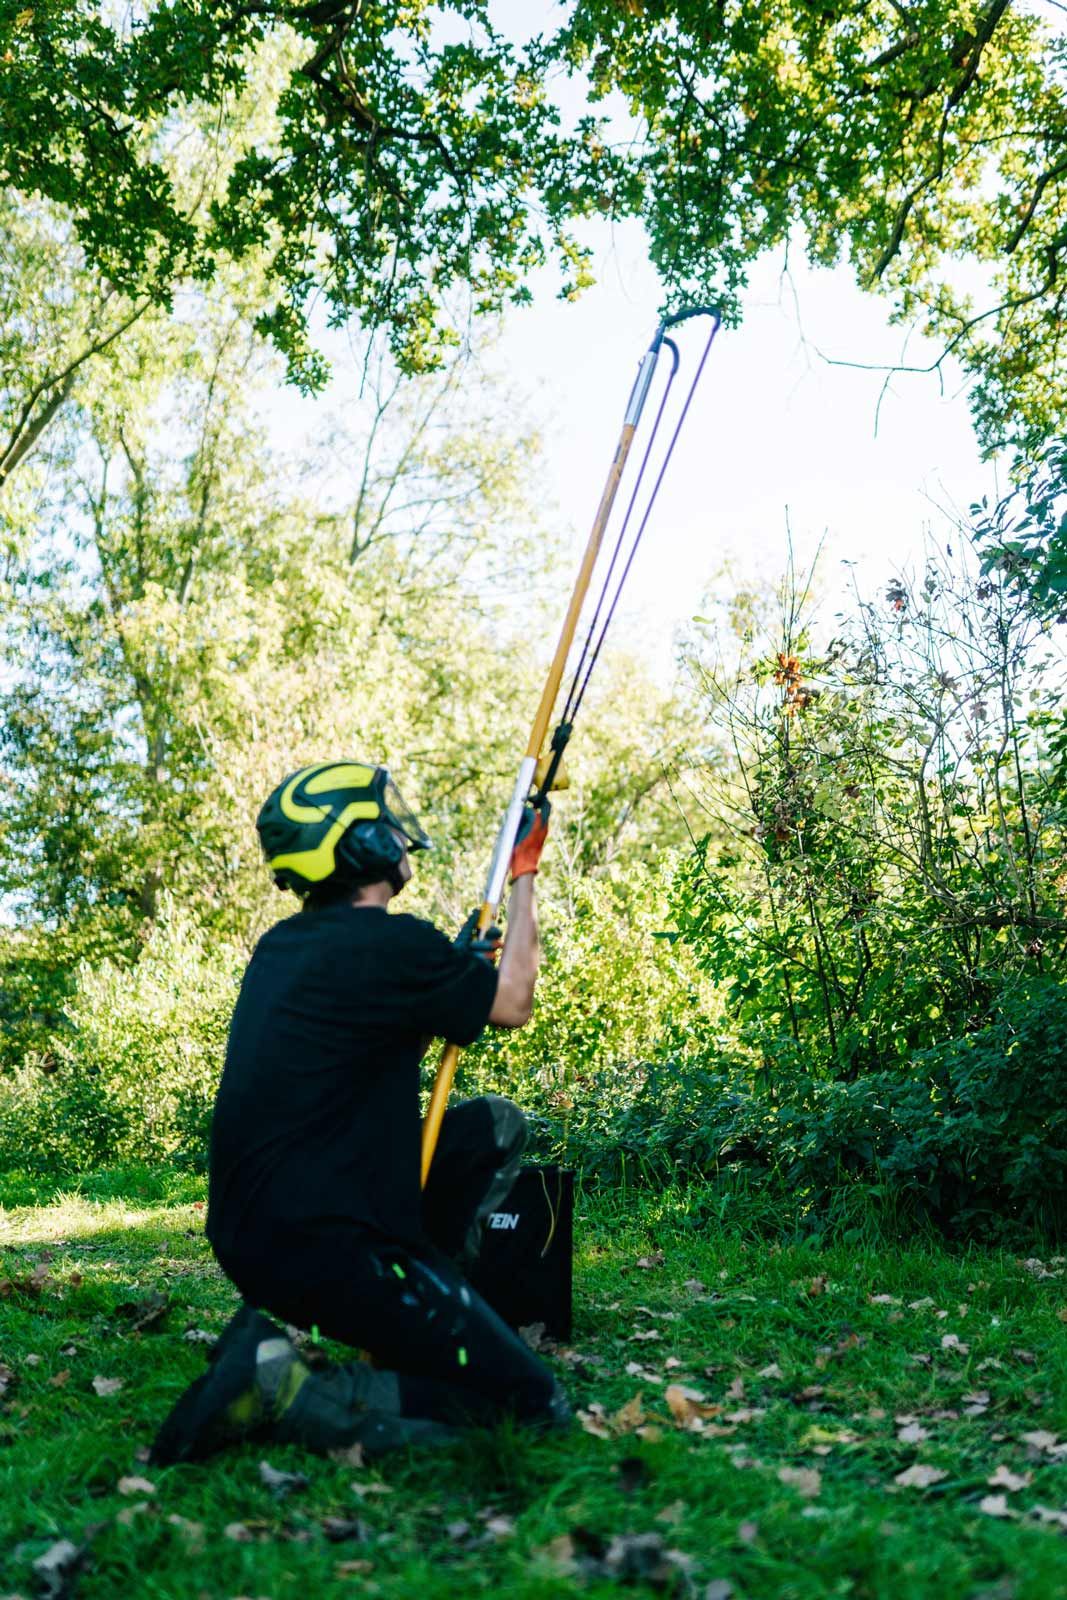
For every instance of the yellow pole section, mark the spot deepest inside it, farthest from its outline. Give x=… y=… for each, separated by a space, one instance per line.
x=581 y=589
x=446 y=1071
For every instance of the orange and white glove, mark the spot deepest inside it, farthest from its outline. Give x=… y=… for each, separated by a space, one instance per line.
x=530 y=839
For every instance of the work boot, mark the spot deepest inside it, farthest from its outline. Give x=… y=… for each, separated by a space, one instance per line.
x=257 y=1386
x=229 y=1402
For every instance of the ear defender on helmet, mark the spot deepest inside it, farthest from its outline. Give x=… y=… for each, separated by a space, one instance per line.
x=342 y=820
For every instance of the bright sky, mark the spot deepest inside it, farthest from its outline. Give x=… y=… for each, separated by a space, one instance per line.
x=776 y=431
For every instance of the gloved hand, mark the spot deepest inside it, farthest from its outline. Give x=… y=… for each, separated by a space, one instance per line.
x=487 y=945
x=530 y=839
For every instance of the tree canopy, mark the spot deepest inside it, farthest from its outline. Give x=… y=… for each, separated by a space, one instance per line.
x=403 y=147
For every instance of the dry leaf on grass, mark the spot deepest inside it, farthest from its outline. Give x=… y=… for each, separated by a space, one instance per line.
x=340 y=1529
x=106 y=1386
x=805 y=1480
x=533 y=1335
x=688 y=1407
x=353 y=1569
x=191 y=1532
x=280 y=1483
x=773 y=1370
x=500 y=1526
x=129 y=1513
x=364 y=1489
x=627 y=1558
x=57 y=1570
x=648 y=1262
x=919 y=1476
x=747 y=1532
x=146 y=1313
x=629 y=1416
x=136 y=1486
x=1046 y=1514
x=238 y=1532
x=1040 y=1439
x=996 y=1505
x=1004 y=1478
x=952 y=1341
x=200 y=1336
x=912 y=1433
x=349 y=1455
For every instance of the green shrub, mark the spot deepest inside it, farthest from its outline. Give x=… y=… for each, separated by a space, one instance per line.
x=133 y=1074
x=612 y=994
x=971 y=1137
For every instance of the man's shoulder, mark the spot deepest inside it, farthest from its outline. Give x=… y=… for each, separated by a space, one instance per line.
x=406 y=928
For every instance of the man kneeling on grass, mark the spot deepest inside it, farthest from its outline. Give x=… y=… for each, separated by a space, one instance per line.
x=315 y=1210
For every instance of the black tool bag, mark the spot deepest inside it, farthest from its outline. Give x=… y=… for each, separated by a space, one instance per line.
x=524 y=1270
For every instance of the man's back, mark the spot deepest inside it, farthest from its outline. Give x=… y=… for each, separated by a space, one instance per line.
x=316 y=1117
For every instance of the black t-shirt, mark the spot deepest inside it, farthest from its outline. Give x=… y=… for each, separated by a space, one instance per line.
x=317 y=1114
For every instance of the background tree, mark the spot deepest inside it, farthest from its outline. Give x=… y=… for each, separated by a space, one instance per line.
x=410 y=147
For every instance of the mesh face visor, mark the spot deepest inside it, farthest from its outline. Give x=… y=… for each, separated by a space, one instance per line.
x=400 y=814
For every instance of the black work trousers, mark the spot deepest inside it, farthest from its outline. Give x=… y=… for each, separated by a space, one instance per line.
x=411 y=1308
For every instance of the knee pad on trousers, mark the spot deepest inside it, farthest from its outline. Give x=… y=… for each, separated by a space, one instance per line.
x=510 y=1128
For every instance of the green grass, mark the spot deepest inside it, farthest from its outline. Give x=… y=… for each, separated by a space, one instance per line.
x=848 y=1370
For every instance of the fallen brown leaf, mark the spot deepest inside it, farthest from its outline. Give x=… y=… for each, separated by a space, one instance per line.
x=106 y=1386
x=807 y=1481
x=57 y=1570
x=629 y=1416
x=144 y=1314
x=191 y=1532
x=136 y=1486
x=996 y=1505
x=339 y=1529
x=1057 y=1519
x=688 y=1407
x=1004 y=1478
x=1040 y=1439
x=281 y=1483
x=129 y=1514
x=919 y=1476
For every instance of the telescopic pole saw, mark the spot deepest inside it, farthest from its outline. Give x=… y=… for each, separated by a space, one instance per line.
x=538 y=768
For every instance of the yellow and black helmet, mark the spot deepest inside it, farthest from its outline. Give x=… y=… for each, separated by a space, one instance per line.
x=340 y=821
